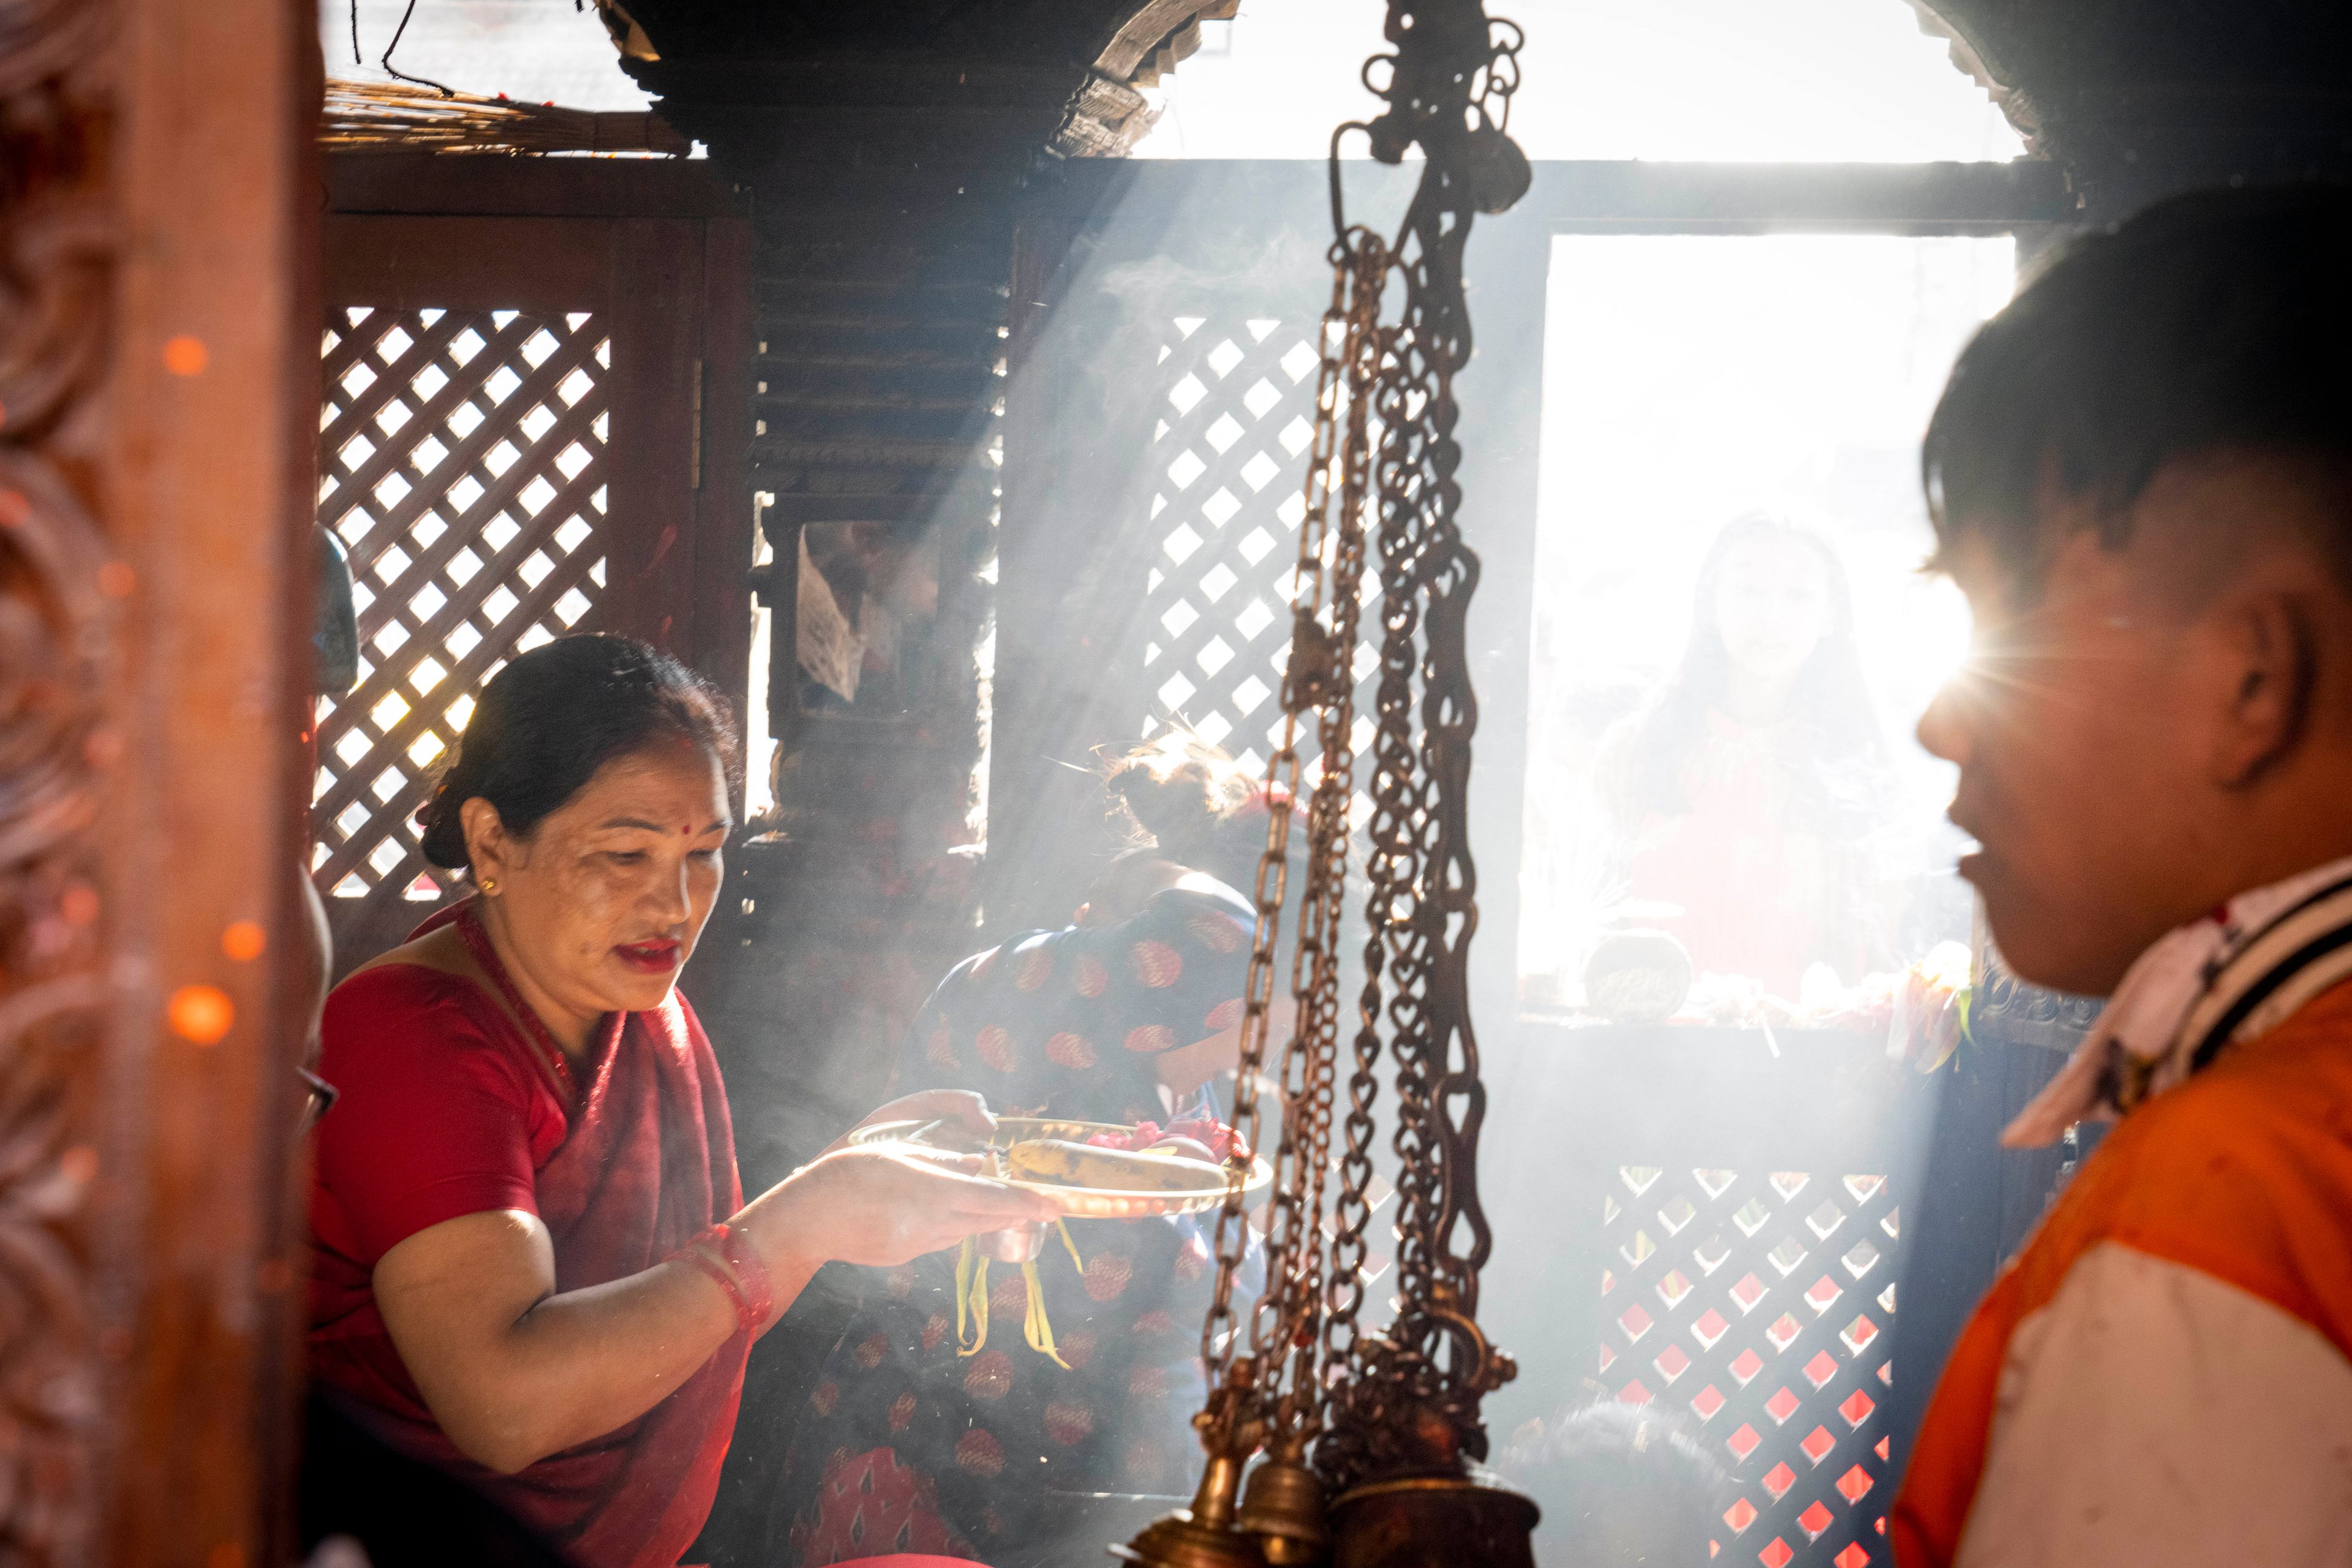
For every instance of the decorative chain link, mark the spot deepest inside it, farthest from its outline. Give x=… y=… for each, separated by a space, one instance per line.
x=1385 y=418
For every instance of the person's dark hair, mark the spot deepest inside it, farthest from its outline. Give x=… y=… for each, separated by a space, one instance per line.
x=1831 y=698
x=1619 y=1484
x=546 y=723
x=1186 y=801
x=2213 y=323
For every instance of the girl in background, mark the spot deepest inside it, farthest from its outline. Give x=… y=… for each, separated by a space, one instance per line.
x=1747 y=789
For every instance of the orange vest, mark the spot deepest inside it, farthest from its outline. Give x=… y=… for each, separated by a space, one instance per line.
x=2243 y=1173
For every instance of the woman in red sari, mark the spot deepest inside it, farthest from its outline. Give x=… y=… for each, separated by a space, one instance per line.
x=534 y=1266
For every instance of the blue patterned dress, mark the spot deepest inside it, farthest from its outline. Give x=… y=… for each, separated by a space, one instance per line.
x=908 y=1445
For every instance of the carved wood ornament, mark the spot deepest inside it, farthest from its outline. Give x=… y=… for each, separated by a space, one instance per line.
x=55 y=276
x=154 y=470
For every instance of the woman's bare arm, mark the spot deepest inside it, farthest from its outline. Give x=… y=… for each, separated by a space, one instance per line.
x=514 y=1371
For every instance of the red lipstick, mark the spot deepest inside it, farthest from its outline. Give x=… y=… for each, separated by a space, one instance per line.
x=659 y=956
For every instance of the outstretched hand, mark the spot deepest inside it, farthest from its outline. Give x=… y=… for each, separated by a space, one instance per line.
x=960 y=1106
x=882 y=1206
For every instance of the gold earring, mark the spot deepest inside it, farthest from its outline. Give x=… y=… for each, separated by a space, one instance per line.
x=489 y=885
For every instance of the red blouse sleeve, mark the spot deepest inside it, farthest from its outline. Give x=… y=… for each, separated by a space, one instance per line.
x=434 y=1116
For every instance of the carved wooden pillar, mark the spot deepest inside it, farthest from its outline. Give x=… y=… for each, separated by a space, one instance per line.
x=157 y=382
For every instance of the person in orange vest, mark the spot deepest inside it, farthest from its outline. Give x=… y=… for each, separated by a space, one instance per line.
x=2141 y=476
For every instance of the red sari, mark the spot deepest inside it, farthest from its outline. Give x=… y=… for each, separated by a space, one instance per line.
x=447 y=1110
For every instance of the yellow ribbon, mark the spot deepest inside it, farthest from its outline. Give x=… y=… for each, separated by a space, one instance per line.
x=971 y=1299
x=972 y=1285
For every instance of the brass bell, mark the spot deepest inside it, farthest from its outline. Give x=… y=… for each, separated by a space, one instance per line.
x=1283 y=1507
x=1413 y=1521
x=1202 y=1536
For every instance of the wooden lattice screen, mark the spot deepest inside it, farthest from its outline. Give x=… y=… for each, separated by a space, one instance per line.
x=462 y=463
x=1228 y=463
x=1760 y=1305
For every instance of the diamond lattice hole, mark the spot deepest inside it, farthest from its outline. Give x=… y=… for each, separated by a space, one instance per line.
x=1224 y=431
x=1299 y=361
x=1674 y=1288
x=1751 y=1216
x=1181 y=544
x=1789 y=1183
x=1260 y=396
x=1785 y=1257
x=1217 y=582
x=1224 y=357
x=1260 y=471
x=1215 y=655
x=1676 y=1214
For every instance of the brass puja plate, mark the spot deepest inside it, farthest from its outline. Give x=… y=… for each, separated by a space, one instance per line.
x=1076 y=1203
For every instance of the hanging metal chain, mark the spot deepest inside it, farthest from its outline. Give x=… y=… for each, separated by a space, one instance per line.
x=1312 y=648
x=1384 y=435
x=1322 y=678
x=1406 y=1400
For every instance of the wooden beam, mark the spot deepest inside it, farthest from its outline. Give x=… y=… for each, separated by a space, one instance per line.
x=213 y=403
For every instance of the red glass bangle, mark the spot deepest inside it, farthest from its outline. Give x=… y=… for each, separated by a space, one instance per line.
x=701 y=1258
x=751 y=1273
x=724 y=1254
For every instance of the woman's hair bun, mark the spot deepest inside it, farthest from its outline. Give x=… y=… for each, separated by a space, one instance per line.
x=1184 y=794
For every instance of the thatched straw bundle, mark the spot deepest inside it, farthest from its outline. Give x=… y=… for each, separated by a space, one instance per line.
x=394 y=116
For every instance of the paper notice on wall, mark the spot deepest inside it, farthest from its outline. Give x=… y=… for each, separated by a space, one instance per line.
x=830 y=652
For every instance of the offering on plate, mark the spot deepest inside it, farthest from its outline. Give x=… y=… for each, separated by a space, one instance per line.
x=1102 y=1170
